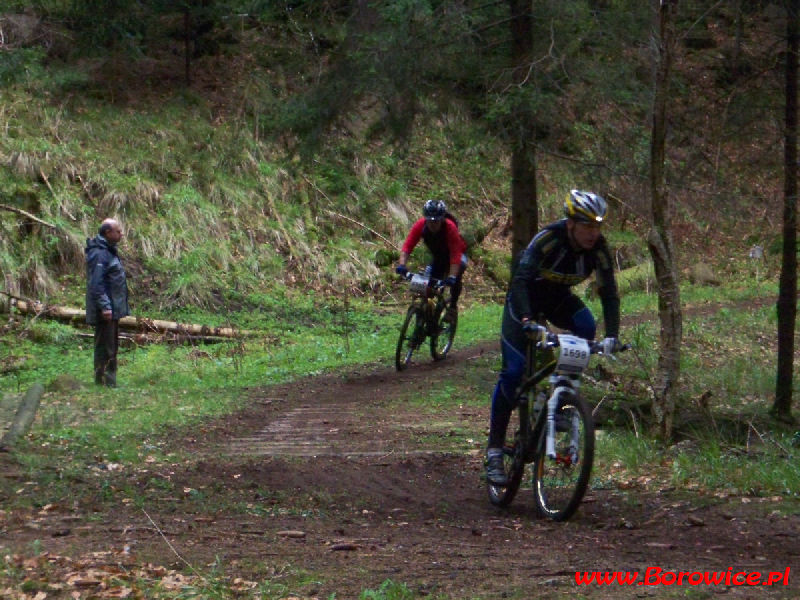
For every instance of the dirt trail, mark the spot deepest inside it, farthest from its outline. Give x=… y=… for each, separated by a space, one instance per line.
x=328 y=486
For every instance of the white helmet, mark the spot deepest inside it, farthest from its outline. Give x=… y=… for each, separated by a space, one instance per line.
x=585 y=207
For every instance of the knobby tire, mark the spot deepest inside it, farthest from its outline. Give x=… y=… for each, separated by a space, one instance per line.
x=406 y=343
x=559 y=484
x=443 y=333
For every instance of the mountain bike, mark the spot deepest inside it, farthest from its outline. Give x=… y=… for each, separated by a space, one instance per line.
x=426 y=318
x=556 y=430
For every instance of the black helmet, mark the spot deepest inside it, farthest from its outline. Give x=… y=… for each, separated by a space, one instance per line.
x=434 y=210
x=585 y=207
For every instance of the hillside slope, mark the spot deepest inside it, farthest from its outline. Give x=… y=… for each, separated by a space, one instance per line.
x=220 y=212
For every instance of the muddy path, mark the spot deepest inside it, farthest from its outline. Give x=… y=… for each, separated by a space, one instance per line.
x=332 y=485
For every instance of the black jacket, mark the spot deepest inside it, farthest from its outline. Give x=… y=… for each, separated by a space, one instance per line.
x=106 y=285
x=550 y=266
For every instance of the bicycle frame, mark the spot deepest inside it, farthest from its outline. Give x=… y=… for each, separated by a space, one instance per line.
x=530 y=432
x=425 y=311
x=427 y=298
x=559 y=440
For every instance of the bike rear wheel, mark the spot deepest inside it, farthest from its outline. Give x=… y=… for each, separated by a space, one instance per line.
x=443 y=333
x=412 y=335
x=502 y=495
x=559 y=483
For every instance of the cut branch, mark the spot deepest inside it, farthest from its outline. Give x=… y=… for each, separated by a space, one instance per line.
x=28 y=215
x=372 y=231
x=24 y=416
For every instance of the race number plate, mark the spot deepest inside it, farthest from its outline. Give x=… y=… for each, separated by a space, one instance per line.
x=419 y=283
x=573 y=355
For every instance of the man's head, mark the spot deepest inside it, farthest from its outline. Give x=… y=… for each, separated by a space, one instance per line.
x=434 y=212
x=585 y=214
x=111 y=230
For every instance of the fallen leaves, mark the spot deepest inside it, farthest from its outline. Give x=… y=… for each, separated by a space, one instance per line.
x=99 y=575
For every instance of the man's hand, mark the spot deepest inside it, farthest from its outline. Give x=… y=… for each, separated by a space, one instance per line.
x=107 y=314
x=610 y=345
x=401 y=269
x=450 y=281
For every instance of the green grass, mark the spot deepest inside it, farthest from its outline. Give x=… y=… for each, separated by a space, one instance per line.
x=389 y=590
x=767 y=468
x=763 y=468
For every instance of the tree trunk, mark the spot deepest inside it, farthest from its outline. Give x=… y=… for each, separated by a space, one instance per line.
x=523 y=153
x=187 y=45
x=787 y=293
x=660 y=237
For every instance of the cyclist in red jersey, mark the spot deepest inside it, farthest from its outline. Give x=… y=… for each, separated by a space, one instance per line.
x=438 y=229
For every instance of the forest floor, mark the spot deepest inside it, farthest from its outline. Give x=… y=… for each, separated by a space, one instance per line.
x=333 y=484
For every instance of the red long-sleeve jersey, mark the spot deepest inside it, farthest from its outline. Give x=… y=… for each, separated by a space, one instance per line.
x=447 y=242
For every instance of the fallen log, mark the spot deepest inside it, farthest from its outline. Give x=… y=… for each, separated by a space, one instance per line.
x=129 y=323
x=142 y=339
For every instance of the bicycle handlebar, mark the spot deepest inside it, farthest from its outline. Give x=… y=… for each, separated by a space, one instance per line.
x=597 y=348
x=432 y=281
x=551 y=341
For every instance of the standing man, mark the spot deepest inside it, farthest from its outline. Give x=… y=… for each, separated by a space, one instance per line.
x=438 y=229
x=106 y=298
x=561 y=255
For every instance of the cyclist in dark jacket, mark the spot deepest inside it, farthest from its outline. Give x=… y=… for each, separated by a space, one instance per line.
x=438 y=229
x=106 y=298
x=560 y=256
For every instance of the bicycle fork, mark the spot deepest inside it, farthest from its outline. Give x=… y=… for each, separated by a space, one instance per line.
x=562 y=387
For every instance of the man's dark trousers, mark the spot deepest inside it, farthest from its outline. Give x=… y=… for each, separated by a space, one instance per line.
x=106 y=344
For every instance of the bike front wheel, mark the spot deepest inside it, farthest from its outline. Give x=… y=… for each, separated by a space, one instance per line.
x=443 y=333
x=560 y=482
x=411 y=336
